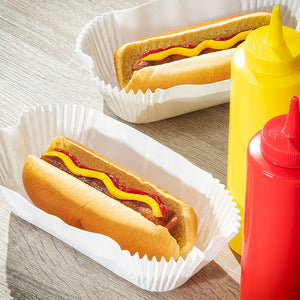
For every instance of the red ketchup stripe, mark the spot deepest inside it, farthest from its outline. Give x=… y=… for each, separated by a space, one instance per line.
x=115 y=180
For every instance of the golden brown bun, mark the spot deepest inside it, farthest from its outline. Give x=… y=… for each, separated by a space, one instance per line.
x=126 y=55
x=82 y=206
x=201 y=69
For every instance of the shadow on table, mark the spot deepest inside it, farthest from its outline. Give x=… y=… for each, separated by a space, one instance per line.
x=39 y=266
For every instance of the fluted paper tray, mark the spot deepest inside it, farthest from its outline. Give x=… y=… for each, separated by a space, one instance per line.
x=99 y=39
x=217 y=216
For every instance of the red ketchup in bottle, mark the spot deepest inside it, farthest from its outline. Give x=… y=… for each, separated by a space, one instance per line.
x=271 y=243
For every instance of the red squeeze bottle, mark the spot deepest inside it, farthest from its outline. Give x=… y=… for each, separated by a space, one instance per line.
x=271 y=241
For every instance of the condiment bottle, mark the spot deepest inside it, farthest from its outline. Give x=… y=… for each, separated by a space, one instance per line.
x=265 y=73
x=271 y=241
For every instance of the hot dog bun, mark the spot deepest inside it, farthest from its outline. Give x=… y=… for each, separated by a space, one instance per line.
x=215 y=68
x=82 y=206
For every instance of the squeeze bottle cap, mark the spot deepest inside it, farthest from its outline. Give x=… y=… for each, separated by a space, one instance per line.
x=280 y=138
x=274 y=48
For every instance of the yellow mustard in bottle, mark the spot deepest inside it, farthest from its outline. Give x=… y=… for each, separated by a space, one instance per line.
x=265 y=74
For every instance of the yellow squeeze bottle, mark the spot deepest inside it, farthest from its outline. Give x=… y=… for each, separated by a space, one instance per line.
x=265 y=75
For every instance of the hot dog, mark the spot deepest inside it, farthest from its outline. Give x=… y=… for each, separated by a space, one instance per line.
x=93 y=193
x=176 y=57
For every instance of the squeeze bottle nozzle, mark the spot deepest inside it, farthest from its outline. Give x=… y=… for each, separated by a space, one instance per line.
x=273 y=49
x=292 y=124
x=280 y=138
x=275 y=36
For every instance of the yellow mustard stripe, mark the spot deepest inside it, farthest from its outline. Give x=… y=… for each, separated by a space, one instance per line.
x=107 y=181
x=189 y=52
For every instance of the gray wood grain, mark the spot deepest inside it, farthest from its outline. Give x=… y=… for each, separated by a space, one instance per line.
x=38 y=66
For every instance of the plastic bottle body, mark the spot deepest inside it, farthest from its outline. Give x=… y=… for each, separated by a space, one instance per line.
x=271 y=242
x=255 y=98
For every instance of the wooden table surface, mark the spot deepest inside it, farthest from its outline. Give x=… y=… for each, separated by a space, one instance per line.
x=38 y=66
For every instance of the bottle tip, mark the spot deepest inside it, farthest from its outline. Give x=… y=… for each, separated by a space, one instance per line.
x=292 y=125
x=280 y=138
x=276 y=38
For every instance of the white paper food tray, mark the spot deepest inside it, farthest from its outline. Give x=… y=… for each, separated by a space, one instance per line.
x=217 y=216
x=98 y=40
